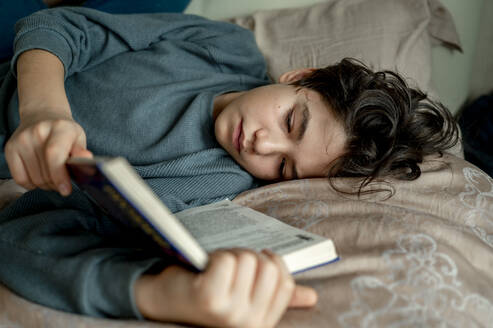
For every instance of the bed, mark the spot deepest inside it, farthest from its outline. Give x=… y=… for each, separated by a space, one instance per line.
x=419 y=253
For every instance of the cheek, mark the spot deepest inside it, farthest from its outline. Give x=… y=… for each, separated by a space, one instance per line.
x=260 y=167
x=223 y=126
x=220 y=131
x=261 y=108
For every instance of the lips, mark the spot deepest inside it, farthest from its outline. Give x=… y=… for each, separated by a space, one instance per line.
x=237 y=134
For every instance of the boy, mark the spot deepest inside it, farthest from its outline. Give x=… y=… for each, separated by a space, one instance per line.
x=188 y=102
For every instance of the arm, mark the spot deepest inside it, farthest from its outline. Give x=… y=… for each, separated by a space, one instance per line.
x=61 y=253
x=239 y=289
x=83 y=38
x=50 y=46
x=47 y=135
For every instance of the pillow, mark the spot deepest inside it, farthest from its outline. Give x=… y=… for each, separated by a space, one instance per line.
x=421 y=258
x=385 y=34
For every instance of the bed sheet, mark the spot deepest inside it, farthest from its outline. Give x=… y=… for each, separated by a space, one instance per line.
x=421 y=258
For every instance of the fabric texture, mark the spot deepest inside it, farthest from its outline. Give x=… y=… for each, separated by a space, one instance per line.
x=142 y=87
x=421 y=258
x=384 y=34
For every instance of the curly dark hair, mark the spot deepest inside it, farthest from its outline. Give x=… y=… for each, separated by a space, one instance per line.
x=390 y=126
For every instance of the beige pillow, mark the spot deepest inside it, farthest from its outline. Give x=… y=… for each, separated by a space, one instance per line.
x=421 y=258
x=385 y=34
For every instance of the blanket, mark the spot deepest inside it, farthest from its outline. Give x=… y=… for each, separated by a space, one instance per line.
x=415 y=254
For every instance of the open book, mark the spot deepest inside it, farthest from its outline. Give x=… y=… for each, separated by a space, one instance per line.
x=118 y=189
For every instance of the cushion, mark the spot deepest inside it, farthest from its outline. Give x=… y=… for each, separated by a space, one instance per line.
x=385 y=34
x=421 y=258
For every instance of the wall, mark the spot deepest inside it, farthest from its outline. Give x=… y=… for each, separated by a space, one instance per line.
x=482 y=71
x=452 y=71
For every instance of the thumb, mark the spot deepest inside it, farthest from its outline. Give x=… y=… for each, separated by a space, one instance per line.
x=80 y=151
x=79 y=148
x=303 y=296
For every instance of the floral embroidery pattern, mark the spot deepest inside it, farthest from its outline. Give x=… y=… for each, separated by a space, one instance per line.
x=421 y=290
x=478 y=197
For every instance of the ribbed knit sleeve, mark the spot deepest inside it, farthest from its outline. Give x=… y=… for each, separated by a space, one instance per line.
x=83 y=38
x=66 y=256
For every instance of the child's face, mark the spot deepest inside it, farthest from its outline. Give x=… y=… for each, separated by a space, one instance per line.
x=280 y=132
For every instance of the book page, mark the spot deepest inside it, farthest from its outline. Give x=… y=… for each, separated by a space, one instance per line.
x=226 y=225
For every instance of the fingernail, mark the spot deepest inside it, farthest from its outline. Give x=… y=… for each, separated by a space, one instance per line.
x=64 y=189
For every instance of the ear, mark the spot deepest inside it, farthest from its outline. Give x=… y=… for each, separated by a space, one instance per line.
x=295 y=75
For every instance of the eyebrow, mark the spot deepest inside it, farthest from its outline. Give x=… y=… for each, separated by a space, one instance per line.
x=304 y=123
x=306 y=116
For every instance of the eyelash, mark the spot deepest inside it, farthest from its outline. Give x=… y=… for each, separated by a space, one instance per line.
x=289 y=119
x=281 y=167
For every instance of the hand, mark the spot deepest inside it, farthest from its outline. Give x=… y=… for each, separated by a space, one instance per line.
x=37 y=151
x=239 y=288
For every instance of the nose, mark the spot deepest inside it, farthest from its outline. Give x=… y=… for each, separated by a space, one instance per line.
x=268 y=143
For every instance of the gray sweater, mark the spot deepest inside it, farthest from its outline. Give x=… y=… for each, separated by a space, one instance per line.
x=142 y=87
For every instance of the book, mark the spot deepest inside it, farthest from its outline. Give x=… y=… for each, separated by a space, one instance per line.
x=189 y=235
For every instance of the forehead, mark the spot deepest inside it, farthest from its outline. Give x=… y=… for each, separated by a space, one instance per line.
x=324 y=140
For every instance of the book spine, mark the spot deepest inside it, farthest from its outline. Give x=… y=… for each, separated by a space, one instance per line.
x=134 y=216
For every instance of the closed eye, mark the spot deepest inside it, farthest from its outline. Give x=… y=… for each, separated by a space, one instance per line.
x=289 y=119
x=281 y=168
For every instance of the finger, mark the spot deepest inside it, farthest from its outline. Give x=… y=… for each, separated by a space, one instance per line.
x=45 y=174
x=278 y=261
x=58 y=147
x=32 y=165
x=283 y=293
x=302 y=297
x=79 y=151
x=220 y=273
x=40 y=133
x=244 y=278
x=265 y=284
x=18 y=171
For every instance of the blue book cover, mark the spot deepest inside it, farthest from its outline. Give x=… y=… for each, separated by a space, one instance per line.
x=101 y=179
